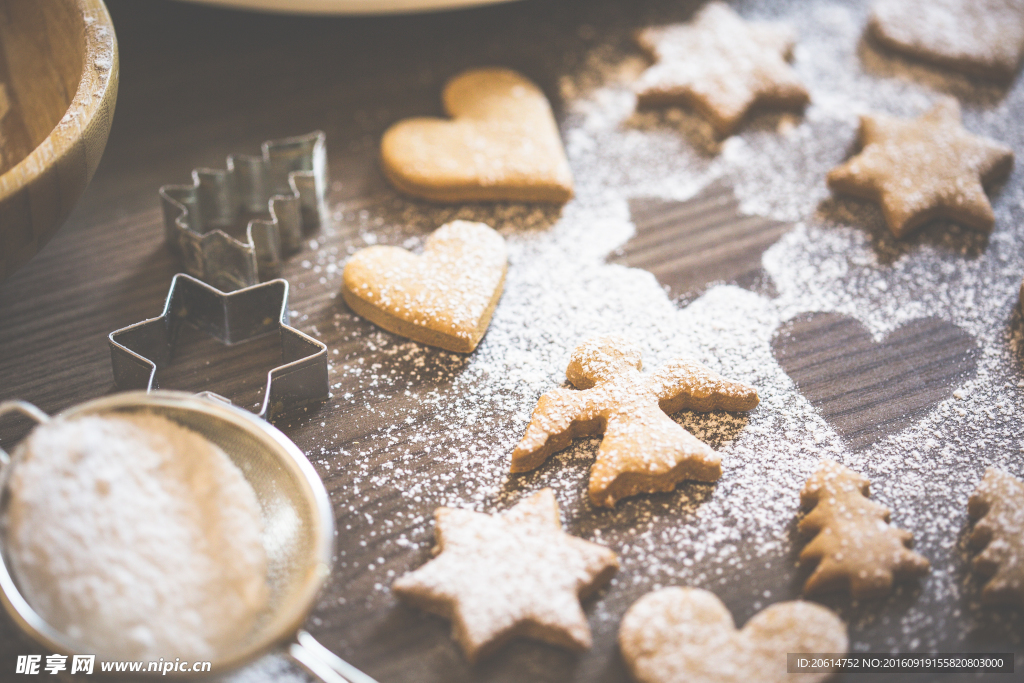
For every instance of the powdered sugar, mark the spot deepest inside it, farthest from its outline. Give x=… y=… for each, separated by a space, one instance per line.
x=136 y=537
x=735 y=537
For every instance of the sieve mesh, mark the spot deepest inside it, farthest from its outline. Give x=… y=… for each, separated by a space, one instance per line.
x=296 y=515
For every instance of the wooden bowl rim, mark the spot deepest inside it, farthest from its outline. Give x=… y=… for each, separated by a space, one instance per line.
x=99 y=69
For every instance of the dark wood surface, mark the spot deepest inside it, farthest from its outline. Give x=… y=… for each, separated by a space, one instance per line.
x=707 y=239
x=198 y=84
x=867 y=389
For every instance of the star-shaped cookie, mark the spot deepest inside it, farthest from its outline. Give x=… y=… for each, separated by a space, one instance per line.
x=720 y=65
x=498 y=577
x=924 y=168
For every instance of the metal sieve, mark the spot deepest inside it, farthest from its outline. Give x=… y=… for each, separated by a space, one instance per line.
x=298 y=528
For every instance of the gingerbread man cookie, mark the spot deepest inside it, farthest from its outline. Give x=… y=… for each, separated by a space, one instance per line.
x=444 y=298
x=721 y=66
x=979 y=37
x=643 y=450
x=854 y=546
x=924 y=168
x=502 y=144
x=997 y=506
x=515 y=574
x=686 y=635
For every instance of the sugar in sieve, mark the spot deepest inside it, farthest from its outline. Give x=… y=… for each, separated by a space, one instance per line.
x=298 y=528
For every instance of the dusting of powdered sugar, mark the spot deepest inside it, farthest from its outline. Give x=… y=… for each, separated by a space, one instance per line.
x=738 y=535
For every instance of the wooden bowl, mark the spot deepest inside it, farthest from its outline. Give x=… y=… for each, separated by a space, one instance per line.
x=58 y=84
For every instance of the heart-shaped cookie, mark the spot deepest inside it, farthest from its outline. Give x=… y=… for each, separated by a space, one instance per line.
x=868 y=390
x=445 y=297
x=686 y=635
x=502 y=144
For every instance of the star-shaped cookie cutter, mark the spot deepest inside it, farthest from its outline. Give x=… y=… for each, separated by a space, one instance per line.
x=137 y=351
x=289 y=180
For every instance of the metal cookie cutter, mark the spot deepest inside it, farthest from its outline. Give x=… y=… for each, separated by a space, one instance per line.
x=137 y=351
x=289 y=179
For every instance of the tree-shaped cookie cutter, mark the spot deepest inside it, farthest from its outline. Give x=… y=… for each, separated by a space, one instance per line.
x=139 y=350
x=289 y=179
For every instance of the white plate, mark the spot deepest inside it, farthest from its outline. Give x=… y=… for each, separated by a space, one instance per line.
x=347 y=6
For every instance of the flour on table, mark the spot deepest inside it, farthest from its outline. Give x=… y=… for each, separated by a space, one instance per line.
x=734 y=535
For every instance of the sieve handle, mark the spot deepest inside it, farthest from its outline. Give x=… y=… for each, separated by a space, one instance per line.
x=322 y=663
x=26 y=409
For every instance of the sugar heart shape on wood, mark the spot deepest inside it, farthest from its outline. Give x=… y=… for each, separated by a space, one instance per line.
x=502 y=144
x=686 y=635
x=444 y=297
x=868 y=390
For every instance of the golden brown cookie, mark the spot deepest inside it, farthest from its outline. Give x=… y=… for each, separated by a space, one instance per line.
x=444 y=297
x=924 y=168
x=643 y=450
x=721 y=66
x=979 y=37
x=504 y=576
x=997 y=506
x=854 y=546
x=686 y=635
x=502 y=144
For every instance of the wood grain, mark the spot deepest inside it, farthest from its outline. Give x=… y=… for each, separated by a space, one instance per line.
x=200 y=83
x=689 y=245
x=868 y=390
x=59 y=68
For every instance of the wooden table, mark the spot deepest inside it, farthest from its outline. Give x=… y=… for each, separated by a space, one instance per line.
x=198 y=84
